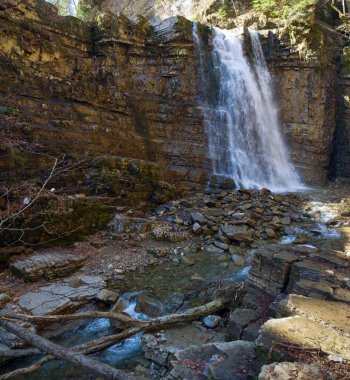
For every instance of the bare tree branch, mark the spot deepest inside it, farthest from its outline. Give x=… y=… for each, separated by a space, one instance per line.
x=122 y=317
x=154 y=324
x=15 y=215
x=69 y=355
x=26 y=370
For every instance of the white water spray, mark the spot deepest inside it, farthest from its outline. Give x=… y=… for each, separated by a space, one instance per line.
x=245 y=142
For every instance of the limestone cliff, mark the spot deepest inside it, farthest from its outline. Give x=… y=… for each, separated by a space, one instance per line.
x=114 y=87
x=127 y=90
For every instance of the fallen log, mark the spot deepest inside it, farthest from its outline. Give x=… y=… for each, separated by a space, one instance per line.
x=121 y=317
x=26 y=370
x=101 y=344
x=59 y=352
x=165 y=321
x=18 y=353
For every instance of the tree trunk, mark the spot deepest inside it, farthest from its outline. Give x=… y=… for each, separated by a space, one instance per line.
x=69 y=355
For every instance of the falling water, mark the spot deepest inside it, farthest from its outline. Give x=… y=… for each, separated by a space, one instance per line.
x=245 y=142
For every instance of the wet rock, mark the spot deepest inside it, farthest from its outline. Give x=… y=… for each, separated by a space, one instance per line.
x=211 y=321
x=217 y=361
x=239 y=233
x=239 y=320
x=187 y=260
x=150 y=305
x=197 y=228
x=4 y=299
x=270 y=269
x=300 y=371
x=107 y=296
x=161 y=347
x=221 y=245
x=238 y=260
x=159 y=252
x=286 y=220
x=270 y=233
x=198 y=217
x=213 y=249
x=48 y=265
x=57 y=298
x=224 y=239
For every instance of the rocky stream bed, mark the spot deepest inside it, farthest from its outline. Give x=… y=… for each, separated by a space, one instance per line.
x=291 y=250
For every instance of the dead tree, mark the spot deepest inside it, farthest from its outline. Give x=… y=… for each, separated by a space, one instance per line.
x=77 y=355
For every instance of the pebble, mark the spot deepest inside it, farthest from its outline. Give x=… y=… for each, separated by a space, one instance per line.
x=211 y=321
x=238 y=260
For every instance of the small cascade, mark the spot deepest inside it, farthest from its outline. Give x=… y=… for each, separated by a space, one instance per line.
x=245 y=142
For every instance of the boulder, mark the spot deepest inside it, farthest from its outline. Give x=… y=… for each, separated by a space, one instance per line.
x=58 y=298
x=198 y=217
x=4 y=299
x=150 y=305
x=239 y=320
x=299 y=371
x=215 y=361
x=221 y=245
x=160 y=347
x=107 y=296
x=328 y=313
x=270 y=269
x=239 y=233
x=47 y=265
x=304 y=332
x=211 y=321
x=213 y=249
x=238 y=260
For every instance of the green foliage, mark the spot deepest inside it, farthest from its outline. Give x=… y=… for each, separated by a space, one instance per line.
x=295 y=18
x=18 y=159
x=345 y=61
x=66 y=7
x=221 y=14
x=284 y=9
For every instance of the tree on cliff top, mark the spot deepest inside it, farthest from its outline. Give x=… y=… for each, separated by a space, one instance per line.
x=66 y=7
x=294 y=18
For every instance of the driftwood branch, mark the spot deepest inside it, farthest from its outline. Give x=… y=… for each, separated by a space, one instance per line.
x=26 y=370
x=121 y=317
x=18 y=353
x=63 y=353
x=76 y=355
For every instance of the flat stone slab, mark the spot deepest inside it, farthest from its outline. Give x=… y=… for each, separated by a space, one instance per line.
x=48 y=265
x=215 y=361
x=335 y=314
x=160 y=347
x=57 y=298
x=299 y=371
x=304 y=332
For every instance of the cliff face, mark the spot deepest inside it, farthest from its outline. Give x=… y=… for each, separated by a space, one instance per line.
x=306 y=93
x=341 y=162
x=127 y=91
x=113 y=88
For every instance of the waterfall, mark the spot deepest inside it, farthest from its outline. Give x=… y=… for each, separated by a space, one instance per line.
x=245 y=142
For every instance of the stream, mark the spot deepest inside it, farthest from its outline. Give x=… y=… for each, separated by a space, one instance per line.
x=176 y=281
